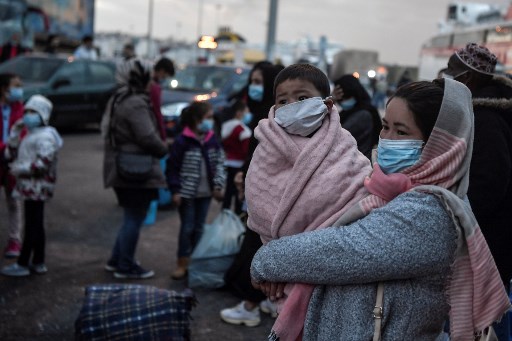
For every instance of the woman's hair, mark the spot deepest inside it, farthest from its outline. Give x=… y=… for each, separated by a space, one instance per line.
x=305 y=72
x=424 y=100
x=353 y=88
x=194 y=113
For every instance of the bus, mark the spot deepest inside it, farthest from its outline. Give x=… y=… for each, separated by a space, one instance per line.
x=491 y=31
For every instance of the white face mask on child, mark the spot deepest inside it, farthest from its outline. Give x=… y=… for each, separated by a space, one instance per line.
x=303 y=117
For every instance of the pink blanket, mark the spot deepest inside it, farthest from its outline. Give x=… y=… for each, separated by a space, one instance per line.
x=296 y=184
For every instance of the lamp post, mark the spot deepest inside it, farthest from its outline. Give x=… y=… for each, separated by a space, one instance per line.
x=271 y=33
x=150 y=25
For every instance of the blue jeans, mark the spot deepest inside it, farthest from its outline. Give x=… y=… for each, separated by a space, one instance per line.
x=193 y=214
x=123 y=253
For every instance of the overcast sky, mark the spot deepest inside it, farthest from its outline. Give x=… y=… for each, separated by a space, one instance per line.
x=395 y=28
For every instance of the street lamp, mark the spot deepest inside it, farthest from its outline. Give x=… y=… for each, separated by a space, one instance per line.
x=150 y=25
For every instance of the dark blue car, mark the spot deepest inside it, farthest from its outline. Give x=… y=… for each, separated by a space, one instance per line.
x=212 y=83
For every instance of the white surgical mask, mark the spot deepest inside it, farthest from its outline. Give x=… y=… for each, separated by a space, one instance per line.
x=303 y=117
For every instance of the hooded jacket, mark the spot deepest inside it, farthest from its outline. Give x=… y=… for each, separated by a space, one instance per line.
x=35 y=166
x=490 y=176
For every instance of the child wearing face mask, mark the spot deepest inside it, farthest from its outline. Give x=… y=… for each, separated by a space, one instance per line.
x=235 y=140
x=11 y=109
x=195 y=173
x=35 y=167
x=304 y=174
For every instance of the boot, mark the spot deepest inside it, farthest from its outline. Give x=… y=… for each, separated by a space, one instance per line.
x=181 y=271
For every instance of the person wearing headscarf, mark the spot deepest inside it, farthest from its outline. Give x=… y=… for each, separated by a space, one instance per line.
x=414 y=236
x=357 y=114
x=129 y=125
x=490 y=179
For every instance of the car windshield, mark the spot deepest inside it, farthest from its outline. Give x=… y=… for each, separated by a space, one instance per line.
x=203 y=79
x=32 y=70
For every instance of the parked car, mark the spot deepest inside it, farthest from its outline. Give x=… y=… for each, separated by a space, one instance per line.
x=78 y=89
x=212 y=83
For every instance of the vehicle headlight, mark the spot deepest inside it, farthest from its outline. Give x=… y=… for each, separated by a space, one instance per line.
x=173 y=110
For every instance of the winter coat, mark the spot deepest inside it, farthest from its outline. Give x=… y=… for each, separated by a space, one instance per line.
x=413 y=262
x=184 y=163
x=16 y=114
x=490 y=176
x=35 y=166
x=133 y=128
x=235 y=140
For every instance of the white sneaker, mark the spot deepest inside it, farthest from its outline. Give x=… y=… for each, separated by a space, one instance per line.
x=239 y=315
x=39 y=269
x=269 y=308
x=15 y=270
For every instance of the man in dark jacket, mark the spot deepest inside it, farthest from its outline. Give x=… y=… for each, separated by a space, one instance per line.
x=490 y=176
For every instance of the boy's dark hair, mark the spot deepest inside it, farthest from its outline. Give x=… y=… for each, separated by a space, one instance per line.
x=194 y=113
x=424 y=100
x=165 y=64
x=5 y=80
x=306 y=72
x=231 y=111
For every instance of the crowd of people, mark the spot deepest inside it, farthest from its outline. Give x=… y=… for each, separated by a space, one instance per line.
x=357 y=226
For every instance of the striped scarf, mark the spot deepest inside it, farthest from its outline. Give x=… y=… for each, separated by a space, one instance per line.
x=476 y=294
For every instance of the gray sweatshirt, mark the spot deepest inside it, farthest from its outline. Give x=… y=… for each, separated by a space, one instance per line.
x=409 y=244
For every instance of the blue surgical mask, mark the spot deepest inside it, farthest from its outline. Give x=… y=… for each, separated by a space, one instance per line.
x=32 y=120
x=396 y=155
x=15 y=94
x=348 y=103
x=205 y=125
x=247 y=119
x=256 y=92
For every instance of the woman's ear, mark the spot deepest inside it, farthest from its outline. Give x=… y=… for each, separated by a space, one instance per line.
x=328 y=101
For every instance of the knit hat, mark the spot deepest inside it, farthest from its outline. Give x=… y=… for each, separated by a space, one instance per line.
x=478 y=58
x=40 y=105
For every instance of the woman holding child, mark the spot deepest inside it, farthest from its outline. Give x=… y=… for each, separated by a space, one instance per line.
x=414 y=235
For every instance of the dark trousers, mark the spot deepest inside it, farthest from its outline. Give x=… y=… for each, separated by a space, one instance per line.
x=35 y=238
x=193 y=214
x=231 y=191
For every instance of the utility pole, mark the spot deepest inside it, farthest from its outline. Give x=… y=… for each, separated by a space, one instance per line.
x=150 y=26
x=271 y=33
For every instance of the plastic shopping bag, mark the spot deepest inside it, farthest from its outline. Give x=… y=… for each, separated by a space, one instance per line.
x=216 y=250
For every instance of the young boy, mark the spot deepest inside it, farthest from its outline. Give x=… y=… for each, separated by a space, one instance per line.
x=304 y=174
x=35 y=169
x=235 y=140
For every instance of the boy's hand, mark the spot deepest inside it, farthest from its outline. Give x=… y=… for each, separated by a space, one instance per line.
x=273 y=291
x=218 y=194
x=176 y=200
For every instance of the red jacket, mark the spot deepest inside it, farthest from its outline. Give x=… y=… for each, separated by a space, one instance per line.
x=235 y=139
x=16 y=114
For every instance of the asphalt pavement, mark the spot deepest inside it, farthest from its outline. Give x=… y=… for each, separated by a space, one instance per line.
x=81 y=224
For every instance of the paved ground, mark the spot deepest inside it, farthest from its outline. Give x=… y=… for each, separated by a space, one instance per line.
x=81 y=224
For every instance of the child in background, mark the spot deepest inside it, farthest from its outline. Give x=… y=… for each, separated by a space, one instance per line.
x=195 y=173
x=304 y=174
x=35 y=168
x=235 y=140
x=11 y=109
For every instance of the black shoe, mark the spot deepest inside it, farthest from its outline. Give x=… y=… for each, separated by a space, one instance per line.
x=136 y=272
